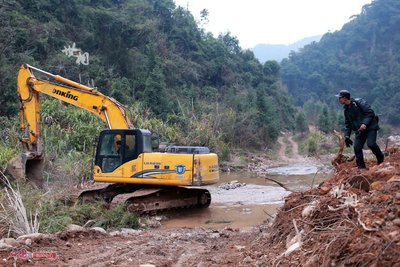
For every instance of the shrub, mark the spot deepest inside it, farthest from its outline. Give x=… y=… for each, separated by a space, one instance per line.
x=74 y=167
x=6 y=154
x=313 y=143
x=118 y=217
x=55 y=216
x=224 y=155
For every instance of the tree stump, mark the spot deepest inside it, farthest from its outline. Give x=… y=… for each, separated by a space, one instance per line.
x=340 y=158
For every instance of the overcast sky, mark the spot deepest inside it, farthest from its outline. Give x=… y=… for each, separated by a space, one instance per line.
x=274 y=21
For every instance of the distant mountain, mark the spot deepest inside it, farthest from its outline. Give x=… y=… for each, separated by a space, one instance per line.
x=278 y=52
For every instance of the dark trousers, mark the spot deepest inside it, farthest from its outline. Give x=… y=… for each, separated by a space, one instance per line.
x=368 y=136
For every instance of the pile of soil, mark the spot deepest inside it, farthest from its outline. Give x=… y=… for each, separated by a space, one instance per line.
x=351 y=219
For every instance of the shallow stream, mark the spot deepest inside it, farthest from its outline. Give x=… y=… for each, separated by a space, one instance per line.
x=252 y=201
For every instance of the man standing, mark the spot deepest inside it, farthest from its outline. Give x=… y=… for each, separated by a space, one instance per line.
x=360 y=118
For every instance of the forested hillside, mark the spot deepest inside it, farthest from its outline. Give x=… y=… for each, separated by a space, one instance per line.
x=363 y=57
x=154 y=58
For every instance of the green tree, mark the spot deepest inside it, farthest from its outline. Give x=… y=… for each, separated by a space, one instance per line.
x=154 y=95
x=324 y=123
x=301 y=123
x=204 y=16
x=267 y=117
x=312 y=108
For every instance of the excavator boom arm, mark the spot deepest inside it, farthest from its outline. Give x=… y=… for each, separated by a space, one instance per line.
x=110 y=111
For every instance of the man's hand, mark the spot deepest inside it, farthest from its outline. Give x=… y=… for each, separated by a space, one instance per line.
x=348 y=141
x=363 y=127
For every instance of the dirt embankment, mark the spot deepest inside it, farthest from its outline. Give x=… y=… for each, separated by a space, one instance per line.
x=351 y=219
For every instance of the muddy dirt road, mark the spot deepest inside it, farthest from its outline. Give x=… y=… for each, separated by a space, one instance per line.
x=173 y=247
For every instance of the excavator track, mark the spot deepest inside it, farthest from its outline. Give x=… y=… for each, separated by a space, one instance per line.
x=166 y=199
x=146 y=199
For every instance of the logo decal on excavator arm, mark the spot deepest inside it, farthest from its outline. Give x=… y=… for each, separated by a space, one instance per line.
x=65 y=94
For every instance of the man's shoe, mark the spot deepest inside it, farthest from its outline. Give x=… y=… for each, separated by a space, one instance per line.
x=380 y=160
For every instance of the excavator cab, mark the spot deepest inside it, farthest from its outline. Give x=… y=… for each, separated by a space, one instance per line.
x=116 y=147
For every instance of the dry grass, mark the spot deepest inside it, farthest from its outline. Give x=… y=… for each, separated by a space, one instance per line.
x=14 y=213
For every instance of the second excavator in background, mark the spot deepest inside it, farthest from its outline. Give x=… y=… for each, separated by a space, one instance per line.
x=125 y=160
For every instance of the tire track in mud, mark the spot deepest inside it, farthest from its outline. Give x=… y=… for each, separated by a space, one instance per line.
x=282 y=149
x=284 y=144
x=295 y=149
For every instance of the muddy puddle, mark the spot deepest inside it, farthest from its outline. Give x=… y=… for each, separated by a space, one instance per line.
x=251 y=201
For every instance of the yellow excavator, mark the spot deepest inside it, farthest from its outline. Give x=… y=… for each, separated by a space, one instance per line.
x=144 y=179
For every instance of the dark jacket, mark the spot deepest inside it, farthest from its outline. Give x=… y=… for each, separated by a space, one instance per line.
x=359 y=112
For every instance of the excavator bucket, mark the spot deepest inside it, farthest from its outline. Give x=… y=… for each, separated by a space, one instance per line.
x=24 y=168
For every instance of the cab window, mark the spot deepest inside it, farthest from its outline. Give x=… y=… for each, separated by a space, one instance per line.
x=130 y=147
x=115 y=150
x=110 y=157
